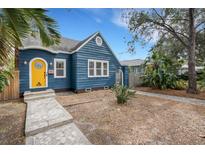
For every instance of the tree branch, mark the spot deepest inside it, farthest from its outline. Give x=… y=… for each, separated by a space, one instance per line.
x=199 y=24
x=170 y=29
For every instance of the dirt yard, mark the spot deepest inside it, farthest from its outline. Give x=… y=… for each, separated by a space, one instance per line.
x=12 y=118
x=143 y=120
x=182 y=93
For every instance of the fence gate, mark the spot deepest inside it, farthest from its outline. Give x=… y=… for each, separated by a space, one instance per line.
x=119 y=77
x=134 y=80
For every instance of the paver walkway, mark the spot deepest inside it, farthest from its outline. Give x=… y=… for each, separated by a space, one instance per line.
x=174 y=98
x=47 y=122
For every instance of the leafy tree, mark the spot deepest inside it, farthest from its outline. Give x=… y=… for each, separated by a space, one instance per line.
x=17 y=24
x=182 y=24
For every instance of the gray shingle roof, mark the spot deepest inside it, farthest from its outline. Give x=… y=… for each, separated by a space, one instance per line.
x=66 y=44
x=134 y=62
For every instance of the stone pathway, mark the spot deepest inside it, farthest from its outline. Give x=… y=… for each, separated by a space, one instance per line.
x=47 y=122
x=174 y=98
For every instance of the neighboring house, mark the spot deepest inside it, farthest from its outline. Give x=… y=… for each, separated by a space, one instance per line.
x=71 y=65
x=135 y=65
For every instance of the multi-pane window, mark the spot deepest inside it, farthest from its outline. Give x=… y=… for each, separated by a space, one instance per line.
x=91 y=68
x=59 y=68
x=105 y=68
x=98 y=68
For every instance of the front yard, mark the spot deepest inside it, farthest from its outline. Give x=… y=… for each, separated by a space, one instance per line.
x=144 y=120
x=12 y=119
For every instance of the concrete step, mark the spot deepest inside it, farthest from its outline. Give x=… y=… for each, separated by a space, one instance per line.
x=29 y=93
x=68 y=134
x=39 y=97
x=29 y=96
x=44 y=114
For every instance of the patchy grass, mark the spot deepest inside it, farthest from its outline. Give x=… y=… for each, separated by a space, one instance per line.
x=173 y=92
x=12 y=119
x=143 y=120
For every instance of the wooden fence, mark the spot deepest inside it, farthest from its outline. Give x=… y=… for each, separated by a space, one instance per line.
x=11 y=91
x=134 y=80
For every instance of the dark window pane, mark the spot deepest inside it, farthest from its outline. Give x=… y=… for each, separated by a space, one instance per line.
x=105 y=65
x=91 y=64
x=91 y=72
x=98 y=64
x=105 y=72
x=60 y=72
x=98 y=72
x=60 y=64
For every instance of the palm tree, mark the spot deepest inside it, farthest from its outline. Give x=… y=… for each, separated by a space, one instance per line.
x=17 y=24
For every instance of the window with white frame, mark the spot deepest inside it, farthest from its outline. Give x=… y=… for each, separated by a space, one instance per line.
x=59 y=68
x=98 y=68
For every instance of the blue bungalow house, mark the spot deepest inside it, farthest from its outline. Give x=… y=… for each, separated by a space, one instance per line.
x=72 y=65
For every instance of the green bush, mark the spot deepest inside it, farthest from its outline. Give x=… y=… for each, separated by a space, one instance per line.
x=202 y=80
x=122 y=93
x=161 y=72
x=4 y=79
x=181 y=84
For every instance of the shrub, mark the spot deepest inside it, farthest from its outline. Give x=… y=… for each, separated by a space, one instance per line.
x=122 y=93
x=161 y=72
x=181 y=84
x=4 y=79
x=202 y=80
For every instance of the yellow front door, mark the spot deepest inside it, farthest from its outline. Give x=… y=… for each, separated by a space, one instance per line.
x=38 y=73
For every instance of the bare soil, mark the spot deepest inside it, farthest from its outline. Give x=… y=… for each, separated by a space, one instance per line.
x=143 y=120
x=12 y=119
x=173 y=92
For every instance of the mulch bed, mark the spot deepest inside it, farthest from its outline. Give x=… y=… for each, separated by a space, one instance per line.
x=181 y=93
x=12 y=121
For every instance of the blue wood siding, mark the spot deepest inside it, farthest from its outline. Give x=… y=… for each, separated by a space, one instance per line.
x=92 y=51
x=54 y=83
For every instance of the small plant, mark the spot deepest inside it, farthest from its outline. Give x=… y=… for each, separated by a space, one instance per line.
x=122 y=93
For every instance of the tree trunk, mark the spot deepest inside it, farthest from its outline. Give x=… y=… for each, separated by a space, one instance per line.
x=16 y=59
x=192 y=85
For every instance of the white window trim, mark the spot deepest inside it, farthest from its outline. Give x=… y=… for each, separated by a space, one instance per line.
x=61 y=60
x=102 y=72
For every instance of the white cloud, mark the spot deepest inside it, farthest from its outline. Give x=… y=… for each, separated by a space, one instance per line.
x=117 y=19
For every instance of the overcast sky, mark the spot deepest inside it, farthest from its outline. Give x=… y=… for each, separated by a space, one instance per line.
x=80 y=23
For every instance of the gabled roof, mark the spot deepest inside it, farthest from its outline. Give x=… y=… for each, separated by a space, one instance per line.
x=66 y=45
x=85 y=41
x=134 y=62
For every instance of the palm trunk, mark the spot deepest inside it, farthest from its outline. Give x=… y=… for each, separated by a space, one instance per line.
x=192 y=85
x=16 y=59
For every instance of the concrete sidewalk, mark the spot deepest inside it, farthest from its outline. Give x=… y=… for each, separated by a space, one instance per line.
x=174 y=98
x=47 y=122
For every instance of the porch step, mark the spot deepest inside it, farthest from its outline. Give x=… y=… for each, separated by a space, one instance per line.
x=29 y=96
x=45 y=114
